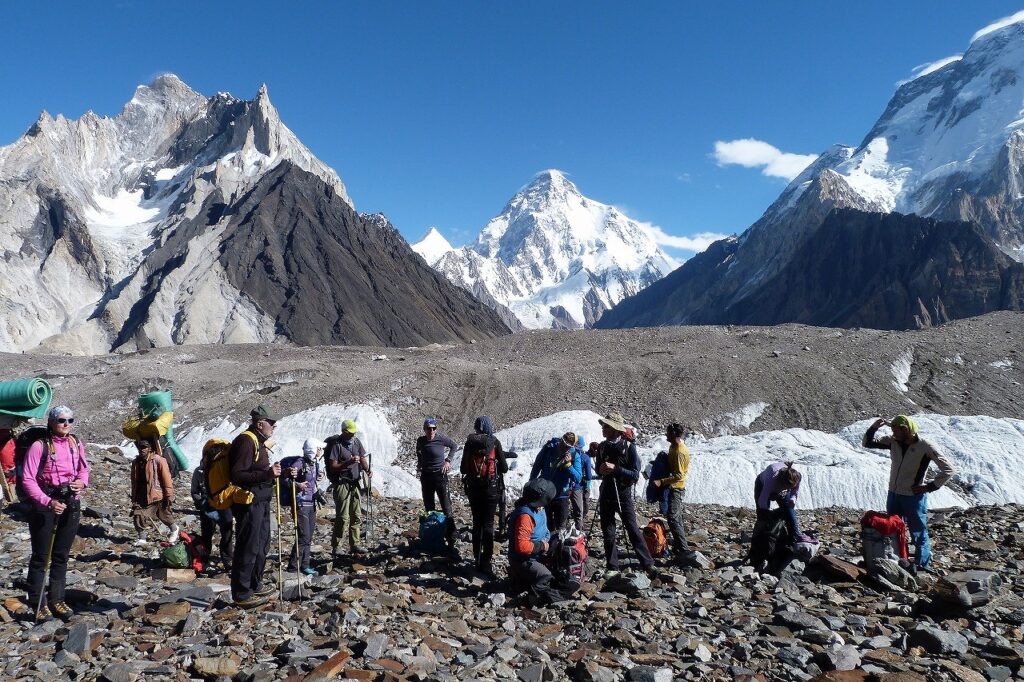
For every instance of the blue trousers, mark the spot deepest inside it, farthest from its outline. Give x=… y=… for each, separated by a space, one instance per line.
x=913 y=509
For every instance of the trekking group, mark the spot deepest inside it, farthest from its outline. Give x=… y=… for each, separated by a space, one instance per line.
x=236 y=485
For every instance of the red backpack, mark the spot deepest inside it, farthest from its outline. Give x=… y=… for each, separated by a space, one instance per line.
x=656 y=537
x=480 y=454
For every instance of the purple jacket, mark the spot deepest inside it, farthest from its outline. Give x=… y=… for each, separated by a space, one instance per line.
x=770 y=489
x=312 y=471
x=64 y=465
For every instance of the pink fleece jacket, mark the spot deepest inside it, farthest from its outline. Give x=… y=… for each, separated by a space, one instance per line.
x=64 y=465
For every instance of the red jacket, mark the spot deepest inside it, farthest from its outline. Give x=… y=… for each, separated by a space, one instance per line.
x=888 y=524
x=7 y=458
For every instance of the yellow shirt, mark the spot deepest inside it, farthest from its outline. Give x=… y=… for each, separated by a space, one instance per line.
x=678 y=466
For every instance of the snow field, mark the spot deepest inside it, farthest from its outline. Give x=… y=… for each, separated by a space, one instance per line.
x=837 y=471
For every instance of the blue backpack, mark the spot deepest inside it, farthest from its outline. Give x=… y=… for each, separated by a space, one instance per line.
x=432 y=532
x=659 y=469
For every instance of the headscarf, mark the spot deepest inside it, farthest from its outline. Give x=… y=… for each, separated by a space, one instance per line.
x=483 y=425
x=906 y=422
x=61 y=411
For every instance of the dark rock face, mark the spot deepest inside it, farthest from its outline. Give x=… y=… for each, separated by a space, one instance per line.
x=857 y=269
x=326 y=275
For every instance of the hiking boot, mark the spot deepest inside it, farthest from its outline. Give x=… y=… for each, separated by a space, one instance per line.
x=61 y=610
x=174 y=534
x=356 y=550
x=251 y=603
x=265 y=591
x=653 y=572
x=486 y=571
x=309 y=570
x=611 y=573
x=43 y=614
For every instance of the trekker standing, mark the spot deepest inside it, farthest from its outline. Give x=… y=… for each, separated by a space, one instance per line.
x=433 y=465
x=211 y=519
x=301 y=473
x=483 y=465
x=559 y=461
x=152 y=492
x=618 y=466
x=678 y=467
x=910 y=456
x=54 y=474
x=346 y=459
x=528 y=544
x=251 y=470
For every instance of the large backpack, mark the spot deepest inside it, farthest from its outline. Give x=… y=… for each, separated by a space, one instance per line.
x=221 y=492
x=656 y=537
x=22 y=442
x=567 y=558
x=770 y=548
x=481 y=451
x=432 y=532
x=329 y=444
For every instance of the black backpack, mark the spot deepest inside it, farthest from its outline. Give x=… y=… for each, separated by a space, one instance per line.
x=770 y=547
x=329 y=444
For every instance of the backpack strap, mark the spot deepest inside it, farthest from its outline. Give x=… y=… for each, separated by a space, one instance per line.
x=255 y=444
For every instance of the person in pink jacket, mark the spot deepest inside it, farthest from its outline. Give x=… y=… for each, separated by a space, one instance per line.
x=55 y=474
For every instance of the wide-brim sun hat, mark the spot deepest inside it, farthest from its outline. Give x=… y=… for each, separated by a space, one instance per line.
x=614 y=421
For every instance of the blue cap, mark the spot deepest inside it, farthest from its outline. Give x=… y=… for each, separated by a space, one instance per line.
x=430 y=421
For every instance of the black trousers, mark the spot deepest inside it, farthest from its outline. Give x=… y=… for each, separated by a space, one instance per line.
x=252 y=544
x=225 y=524
x=484 y=505
x=557 y=512
x=614 y=499
x=307 y=524
x=41 y=525
x=535 y=579
x=436 y=483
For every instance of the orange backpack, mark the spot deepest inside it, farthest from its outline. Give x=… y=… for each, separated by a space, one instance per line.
x=656 y=536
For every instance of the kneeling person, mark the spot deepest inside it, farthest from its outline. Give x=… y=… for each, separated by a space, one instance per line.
x=528 y=543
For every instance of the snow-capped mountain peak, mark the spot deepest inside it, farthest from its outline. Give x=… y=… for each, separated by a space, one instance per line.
x=555 y=257
x=432 y=246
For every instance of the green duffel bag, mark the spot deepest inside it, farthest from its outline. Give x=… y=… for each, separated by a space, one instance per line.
x=176 y=556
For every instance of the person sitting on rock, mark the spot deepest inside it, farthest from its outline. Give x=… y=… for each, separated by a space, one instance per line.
x=528 y=544
x=252 y=471
x=675 y=482
x=433 y=465
x=483 y=465
x=346 y=459
x=54 y=474
x=152 y=492
x=300 y=474
x=618 y=465
x=910 y=456
x=560 y=462
x=211 y=519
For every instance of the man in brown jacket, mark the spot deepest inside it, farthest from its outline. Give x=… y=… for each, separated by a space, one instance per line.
x=251 y=469
x=152 y=490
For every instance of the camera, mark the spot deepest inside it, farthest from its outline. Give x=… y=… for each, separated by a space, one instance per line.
x=63 y=493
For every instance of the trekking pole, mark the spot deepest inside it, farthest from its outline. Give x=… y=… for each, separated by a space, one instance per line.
x=369 y=499
x=49 y=557
x=298 y=547
x=280 y=566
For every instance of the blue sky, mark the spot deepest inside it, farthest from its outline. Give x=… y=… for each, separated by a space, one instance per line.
x=437 y=112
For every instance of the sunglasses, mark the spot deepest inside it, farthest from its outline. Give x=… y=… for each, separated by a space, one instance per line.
x=430 y=428
x=67 y=420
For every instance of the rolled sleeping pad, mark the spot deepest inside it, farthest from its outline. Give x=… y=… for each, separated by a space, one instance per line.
x=176 y=450
x=155 y=403
x=25 y=397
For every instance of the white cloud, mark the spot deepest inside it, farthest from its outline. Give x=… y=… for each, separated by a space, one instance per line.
x=1002 y=23
x=695 y=243
x=925 y=69
x=752 y=153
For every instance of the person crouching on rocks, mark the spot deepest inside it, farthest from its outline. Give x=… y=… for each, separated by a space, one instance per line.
x=910 y=456
x=528 y=544
x=433 y=465
x=54 y=474
x=346 y=459
x=211 y=519
x=152 y=491
x=252 y=471
x=778 y=483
